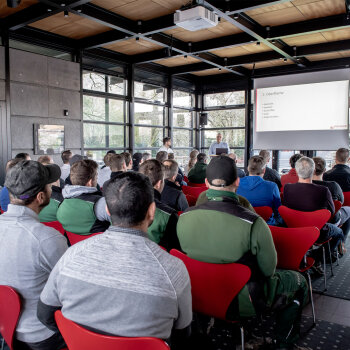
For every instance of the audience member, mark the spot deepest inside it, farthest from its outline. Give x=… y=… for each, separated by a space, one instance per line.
x=192 y=161
x=171 y=156
x=145 y=156
x=180 y=173
x=136 y=160
x=121 y=283
x=240 y=172
x=163 y=228
x=29 y=250
x=23 y=156
x=172 y=194
x=166 y=146
x=270 y=174
x=65 y=168
x=75 y=158
x=197 y=174
x=340 y=173
x=83 y=210
x=104 y=174
x=292 y=176
x=161 y=156
x=222 y=231
x=258 y=191
x=128 y=160
x=117 y=165
x=4 y=194
x=306 y=196
x=45 y=160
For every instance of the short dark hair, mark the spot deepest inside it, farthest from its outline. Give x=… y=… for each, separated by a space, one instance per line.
x=66 y=155
x=320 y=165
x=171 y=156
x=153 y=169
x=342 y=155
x=201 y=157
x=256 y=165
x=44 y=159
x=166 y=139
x=12 y=162
x=171 y=168
x=127 y=157
x=22 y=156
x=265 y=155
x=83 y=171
x=107 y=158
x=294 y=158
x=146 y=156
x=162 y=156
x=128 y=198
x=116 y=162
x=111 y=151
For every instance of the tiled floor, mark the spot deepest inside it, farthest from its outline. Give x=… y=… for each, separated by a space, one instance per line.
x=330 y=309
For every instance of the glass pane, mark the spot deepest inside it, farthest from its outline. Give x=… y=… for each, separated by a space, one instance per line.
x=182 y=118
x=150 y=92
x=152 y=152
x=94 y=108
x=234 y=138
x=284 y=156
x=116 y=136
x=94 y=135
x=94 y=81
x=148 y=114
x=182 y=138
x=182 y=156
x=97 y=156
x=226 y=118
x=224 y=99
x=240 y=157
x=148 y=137
x=329 y=157
x=183 y=99
x=116 y=85
x=116 y=111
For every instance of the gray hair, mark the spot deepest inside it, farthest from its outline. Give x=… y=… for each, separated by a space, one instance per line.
x=305 y=167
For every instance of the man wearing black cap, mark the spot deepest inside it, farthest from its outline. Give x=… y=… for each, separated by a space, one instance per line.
x=28 y=249
x=223 y=231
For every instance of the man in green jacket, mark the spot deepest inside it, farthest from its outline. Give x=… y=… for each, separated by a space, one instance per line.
x=221 y=230
x=197 y=173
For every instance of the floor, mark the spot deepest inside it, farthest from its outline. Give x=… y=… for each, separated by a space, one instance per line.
x=330 y=309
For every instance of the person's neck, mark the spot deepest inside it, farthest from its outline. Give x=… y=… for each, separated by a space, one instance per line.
x=116 y=170
x=37 y=209
x=318 y=177
x=141 y=227
x=305 y=181
x=224 y=189
x=261 y=175
x=170 y=180
x=339 y=163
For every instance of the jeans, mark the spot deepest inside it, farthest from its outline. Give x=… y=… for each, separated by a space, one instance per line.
x=334 y=232
x=345 y=221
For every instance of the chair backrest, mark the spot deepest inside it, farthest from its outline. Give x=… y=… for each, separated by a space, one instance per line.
x=292 y=244
x=346 y=199
x=10 y=308
x=193 y=191
x=78 y=338
x=214 y=286
x=75 y=238
x=264 y=212
x=296 y=218
x=56 y=225
x=185 y=178
x=179 y=213
x=191 y=184
x=191 y=200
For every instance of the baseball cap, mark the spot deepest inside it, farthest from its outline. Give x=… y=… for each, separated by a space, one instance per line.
x=222 y=168
x=28 y=177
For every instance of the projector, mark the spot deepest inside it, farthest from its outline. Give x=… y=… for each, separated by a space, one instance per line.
x=195 y=18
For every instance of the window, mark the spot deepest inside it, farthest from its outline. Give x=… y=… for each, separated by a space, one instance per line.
x=329 y=157
x=182 y=99
x=148 y=114
x=283 y=161
x=232 y=98
x=104 y=83
x=148 y=137
x=150 y=92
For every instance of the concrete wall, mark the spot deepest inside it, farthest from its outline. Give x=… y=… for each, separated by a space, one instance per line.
x=2 y=73
x=41 y=88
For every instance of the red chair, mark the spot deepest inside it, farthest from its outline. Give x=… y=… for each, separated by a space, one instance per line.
x=264 y=212
x=291 y=245
x=10 y=308
x=191 y=184
x=56 y=225
x=191 y=200
x=214 y=286
x=1 y=211
x=185 y=178
x=75 y=238
x=337 y=206
x=179 y=213
x=78 y=338
x=346 y=199
x=193 y=191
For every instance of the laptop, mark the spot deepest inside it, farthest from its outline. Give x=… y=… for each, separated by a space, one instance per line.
x=221 y=150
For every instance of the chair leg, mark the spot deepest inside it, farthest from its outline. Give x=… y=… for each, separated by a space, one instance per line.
x=324 y=268
x=242 y=337
x=311 y=298
x=330 y=258
x=2 y=344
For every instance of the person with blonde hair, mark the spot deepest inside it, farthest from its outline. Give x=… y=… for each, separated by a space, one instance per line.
x=192 y=161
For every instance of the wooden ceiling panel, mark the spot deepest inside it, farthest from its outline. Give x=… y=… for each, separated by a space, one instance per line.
x=222 y=29
x=322 y=8
x=266 y=64
x=7 y=11
x=177 y=61
x=302 y=2
x=324 y=56
x=212 y=71
x=133 y=46
x=110 y=4
x=345 y=53
x=307 y=39
x=265 y=9
x=339 y=34
x=73 y=26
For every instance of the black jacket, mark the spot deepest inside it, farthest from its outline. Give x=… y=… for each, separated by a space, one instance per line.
x=240 y=173
x=273 y=176
x=173 y=196
x=334 y=188
x=340 y=173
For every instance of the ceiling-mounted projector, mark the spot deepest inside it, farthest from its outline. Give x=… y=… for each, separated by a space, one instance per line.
x=195 y=18
x=13 y=3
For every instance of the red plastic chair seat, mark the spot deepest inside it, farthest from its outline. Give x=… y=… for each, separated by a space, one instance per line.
x=265 y=212
x=346 y=199
x=56 y=225
x=10 y=308
x=193 y=191
x=191 y=200
x=79 y=338
x=191 y=184
x=75 y=238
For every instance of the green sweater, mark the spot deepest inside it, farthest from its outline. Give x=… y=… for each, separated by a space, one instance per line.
x=197 y=174
x=223 y=231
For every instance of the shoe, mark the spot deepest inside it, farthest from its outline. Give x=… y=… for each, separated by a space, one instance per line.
x=317 y=270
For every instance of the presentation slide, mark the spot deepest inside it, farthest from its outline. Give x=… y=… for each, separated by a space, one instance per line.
x=318 y=106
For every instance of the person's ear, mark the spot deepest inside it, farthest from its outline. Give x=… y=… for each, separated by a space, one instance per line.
x=40 y=197
x=151 y=212
x=89 y=183
x=206 y=182
x=158 y=185
x=236 y=183
x=263 y=172
x=107 y=211
x=174 y=178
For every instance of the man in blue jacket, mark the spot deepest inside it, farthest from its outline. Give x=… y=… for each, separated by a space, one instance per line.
x=258 y=191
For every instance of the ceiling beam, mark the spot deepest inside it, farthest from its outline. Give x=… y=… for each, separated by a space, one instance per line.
x=104 y=38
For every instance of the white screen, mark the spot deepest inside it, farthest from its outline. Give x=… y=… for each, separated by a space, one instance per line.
x=321 y=106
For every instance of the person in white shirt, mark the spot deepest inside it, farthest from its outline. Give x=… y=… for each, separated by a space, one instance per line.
x=166 y=145
x=104 y=173
x=65 y=168
x=218 y=144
